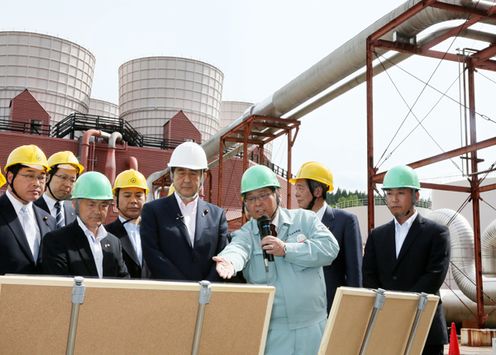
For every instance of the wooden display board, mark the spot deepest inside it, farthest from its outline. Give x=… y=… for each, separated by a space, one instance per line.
x=131 y=317
x=349 y=317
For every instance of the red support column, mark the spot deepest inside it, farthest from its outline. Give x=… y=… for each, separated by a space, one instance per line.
x=370 y=137
x=475 y=193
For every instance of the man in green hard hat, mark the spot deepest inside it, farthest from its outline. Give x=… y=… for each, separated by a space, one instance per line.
x=410 y=253
x=84 y=247
x=290 y=258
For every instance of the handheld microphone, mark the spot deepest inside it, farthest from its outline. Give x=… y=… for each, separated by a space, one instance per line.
x=264 y=229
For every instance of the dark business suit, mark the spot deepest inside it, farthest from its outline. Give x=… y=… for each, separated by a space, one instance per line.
x=69 y=212
x=66 y=252
x=421 y=265
x=167 y=246
x=15 y=255
x=134 y=267
x=346 y=269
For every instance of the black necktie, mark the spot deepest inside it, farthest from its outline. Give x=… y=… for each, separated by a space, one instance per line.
x=273 y=230
x=59 y=218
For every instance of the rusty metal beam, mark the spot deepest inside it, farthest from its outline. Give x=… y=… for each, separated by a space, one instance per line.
x=412 y=11
x=445 y=187
x=444 y=156
x=484 y=54
x=483 y=14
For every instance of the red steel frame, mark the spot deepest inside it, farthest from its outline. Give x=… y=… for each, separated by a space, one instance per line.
x=480 y=59
x=252 y=131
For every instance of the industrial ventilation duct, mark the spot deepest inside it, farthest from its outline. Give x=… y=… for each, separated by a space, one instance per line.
x=462 y=254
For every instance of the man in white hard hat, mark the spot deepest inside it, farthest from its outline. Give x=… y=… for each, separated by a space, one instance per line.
x=63 y=170
x=181 y=233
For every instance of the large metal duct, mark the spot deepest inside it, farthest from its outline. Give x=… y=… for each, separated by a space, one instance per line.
x=462 y=253
x=341 y=63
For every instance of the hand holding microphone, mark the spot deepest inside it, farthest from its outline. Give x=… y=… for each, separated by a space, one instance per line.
x=264 y=229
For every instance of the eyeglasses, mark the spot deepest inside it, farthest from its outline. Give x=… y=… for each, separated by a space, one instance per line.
x=32 y=177
x=262 y=197
x=66 y=178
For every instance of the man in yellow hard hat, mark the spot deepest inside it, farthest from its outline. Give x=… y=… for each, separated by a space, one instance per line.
x=130 y=190
x=22 y=224
x=181 y=233
x=85 y=247
x=63 y=170
x=312 y=182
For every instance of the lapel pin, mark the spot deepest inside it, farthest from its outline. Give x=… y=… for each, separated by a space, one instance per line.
x=205 y=212
x=106 y=245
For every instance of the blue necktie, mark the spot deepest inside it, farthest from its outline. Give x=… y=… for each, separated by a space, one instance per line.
x=59 y=218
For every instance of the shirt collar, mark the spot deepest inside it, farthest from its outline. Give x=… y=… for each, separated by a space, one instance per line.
x=407 y=224
x=181 y=204
x=100 y=233
x=50 y=201
x=16 y=203
x=321 y=211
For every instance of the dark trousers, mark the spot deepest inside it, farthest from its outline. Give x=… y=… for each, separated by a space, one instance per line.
x=433 y=350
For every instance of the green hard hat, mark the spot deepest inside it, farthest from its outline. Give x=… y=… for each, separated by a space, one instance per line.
x=93 y=186
x=256 y=177
x=401 y=176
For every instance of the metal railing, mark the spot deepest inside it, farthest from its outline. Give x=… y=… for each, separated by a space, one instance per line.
x=24 y=127
x=81 y=122
x=378 y=201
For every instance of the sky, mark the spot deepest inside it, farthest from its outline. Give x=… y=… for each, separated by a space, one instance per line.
x=260 y=46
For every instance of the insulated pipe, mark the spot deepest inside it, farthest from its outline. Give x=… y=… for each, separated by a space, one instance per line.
x=85 y=143
x=339 y=64
x=462 y=253
x=360 y=78
x=110 y=165
x=133 y=163
x=488 y=250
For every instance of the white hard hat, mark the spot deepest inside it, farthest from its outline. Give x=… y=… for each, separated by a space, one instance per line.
x=189 y=155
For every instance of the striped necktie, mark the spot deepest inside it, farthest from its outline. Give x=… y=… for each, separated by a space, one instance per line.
x=59 y=217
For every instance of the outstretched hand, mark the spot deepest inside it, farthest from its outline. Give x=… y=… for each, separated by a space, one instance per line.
x=224 y=267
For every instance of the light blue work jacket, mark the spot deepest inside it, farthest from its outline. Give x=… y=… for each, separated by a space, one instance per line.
x=300 y=298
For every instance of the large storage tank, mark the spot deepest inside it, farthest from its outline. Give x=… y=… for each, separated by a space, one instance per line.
x=103 y=108
x=57 y=72
x=153 y=89
x=231 y=110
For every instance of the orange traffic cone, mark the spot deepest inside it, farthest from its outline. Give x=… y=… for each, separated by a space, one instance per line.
x=454 y=348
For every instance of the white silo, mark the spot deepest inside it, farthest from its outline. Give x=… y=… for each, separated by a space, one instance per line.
x=230 y=110
x=103 y=108
x=154 y=89
x=57 y=72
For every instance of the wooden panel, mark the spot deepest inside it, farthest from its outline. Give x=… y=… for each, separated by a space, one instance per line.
x=350 y=314
x=131 y=317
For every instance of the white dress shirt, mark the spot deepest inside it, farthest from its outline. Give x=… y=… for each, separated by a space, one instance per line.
x=30 y=227
x=188 y=215
x=401 y=230
x=50 y=201
x=95 y=244
x=133 y=231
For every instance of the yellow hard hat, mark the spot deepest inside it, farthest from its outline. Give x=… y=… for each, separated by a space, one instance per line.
x=130 y=178
x=64 y=158
x=2 y=180
x=315 y=171
x=29 y=155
